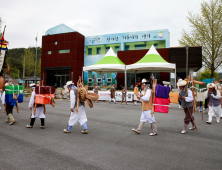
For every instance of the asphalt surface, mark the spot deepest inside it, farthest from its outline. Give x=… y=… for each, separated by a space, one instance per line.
x=110 y=143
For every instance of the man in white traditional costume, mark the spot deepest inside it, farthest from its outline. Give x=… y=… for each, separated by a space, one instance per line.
x=146 y=99
x=186 y=97
x=74 y=116
x=214 y=103
x=39 y=109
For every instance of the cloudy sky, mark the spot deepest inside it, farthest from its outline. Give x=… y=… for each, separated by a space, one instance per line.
x=25 y=18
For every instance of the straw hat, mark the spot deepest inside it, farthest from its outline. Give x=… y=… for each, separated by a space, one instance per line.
x=144 y=81
x=69 y=83
x=181 y=83
x=89 y=103
x=211 y=85
x=92 y=96
x=32 y=84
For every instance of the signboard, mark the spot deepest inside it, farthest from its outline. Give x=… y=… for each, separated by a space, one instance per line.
x=106 y=95
x=128 y=37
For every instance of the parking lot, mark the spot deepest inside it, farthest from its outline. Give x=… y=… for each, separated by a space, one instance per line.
x=110 y=143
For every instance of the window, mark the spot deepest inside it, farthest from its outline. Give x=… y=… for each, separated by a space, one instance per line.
x=156 y=46
x=55 y=42
x=49 y=52
x=126 y=47
x=98 y=50
x=107 y=49
x=116 y=49
x=64 y=51
x=89 y=51
x=143 y=46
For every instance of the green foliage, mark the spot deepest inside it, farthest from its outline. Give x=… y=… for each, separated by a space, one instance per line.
x=206 y=74
x=15 y=59
x=219 y=77
x=38 y=68
x=206 y=32
x=28 y=61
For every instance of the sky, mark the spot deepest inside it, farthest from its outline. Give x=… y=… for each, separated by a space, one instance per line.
x=25 y=18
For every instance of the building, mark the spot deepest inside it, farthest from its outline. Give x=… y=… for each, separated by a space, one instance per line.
x=97 y=46
x=62 y=56
x=65 y=52
x=173 y=55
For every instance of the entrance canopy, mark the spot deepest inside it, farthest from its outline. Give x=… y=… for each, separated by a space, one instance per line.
x=151 y=62
x=110 y=63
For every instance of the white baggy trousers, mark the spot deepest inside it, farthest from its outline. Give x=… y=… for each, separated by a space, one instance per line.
x=39 y=110
x=74 y=117
x=80 y=117
x=214 y=111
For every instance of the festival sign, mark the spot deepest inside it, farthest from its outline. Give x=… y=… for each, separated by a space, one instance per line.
x=128 y=37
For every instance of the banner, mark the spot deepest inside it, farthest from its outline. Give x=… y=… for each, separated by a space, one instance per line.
x=106 y=95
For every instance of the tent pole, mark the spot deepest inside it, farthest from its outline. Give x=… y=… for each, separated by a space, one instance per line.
x=175 y=75
x=125 y=78
x=100 y=76
x=135 y=79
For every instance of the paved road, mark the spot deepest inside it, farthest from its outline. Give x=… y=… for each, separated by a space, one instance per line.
x=110 y=143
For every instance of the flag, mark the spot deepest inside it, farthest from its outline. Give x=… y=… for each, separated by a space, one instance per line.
x=36 y=38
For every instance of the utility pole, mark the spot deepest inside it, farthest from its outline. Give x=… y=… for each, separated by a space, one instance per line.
x=36 y=58
x=24 y=68
x=187 y=74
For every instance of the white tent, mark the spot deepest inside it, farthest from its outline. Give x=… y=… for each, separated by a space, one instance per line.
x=110 y=63
x=152 y=61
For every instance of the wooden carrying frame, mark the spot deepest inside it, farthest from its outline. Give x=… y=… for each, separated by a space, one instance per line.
x=194 y=82
x=153 y=93
x=83 y=95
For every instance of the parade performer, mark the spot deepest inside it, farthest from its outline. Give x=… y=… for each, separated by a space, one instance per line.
x=136 y=93
x=214 y=103
x=147 y=105
x=180 y=107
x=186 y=97
x=9 y=109
x=139 y=83
x=103 y=78
x=151 y=80
x=112 y=97
x=39 y=109
x=124 y=91
x=0 y=95
x=95 y=89
x=74 y=116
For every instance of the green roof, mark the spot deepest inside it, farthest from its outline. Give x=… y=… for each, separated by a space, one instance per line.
x=110 y=58
x=152 y=56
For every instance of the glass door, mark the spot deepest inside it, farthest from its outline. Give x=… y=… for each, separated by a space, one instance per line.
x=61 y=78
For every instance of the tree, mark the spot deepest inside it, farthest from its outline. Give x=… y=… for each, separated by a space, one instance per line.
x=38 y=68
x=207 y=74
x=206 y=32
x=16 y=55
x=29 y=57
